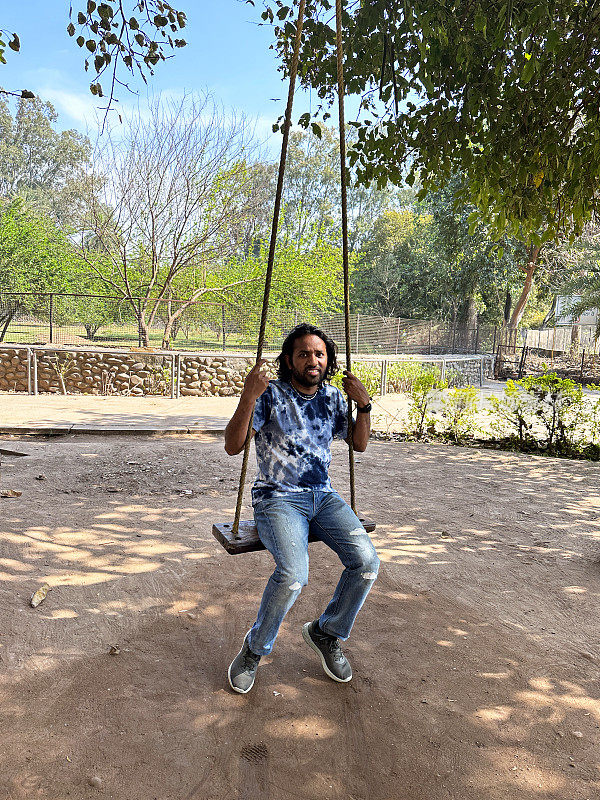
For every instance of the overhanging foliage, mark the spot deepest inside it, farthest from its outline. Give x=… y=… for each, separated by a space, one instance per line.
x=503 y=92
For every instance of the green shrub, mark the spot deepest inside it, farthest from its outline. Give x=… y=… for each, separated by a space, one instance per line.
x=511 y=414
x=560 y=409
x=422 y=395
x=401 y=375
x=454 y=377
x=546 y=411
x=459 y=410
x=594 y=418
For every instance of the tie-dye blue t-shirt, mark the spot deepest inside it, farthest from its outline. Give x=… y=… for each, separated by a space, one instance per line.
x=293 y=439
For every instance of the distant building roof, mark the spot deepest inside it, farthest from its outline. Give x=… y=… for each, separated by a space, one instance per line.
x=564 y=317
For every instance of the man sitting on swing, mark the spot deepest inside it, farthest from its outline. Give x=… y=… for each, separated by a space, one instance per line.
x=295 y=420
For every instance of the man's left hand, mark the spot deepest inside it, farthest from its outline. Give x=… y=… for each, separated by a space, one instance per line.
x=355 y=389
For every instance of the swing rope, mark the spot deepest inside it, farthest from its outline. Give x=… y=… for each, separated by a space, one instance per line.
x=271 y=259
x=341 y=125
x=273 y=240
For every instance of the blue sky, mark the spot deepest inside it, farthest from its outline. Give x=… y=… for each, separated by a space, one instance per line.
x=227 y=54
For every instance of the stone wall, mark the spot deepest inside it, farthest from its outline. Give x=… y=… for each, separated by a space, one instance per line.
x=213 y=375
x=122 y=373
x=143 y=373
x=13 y=370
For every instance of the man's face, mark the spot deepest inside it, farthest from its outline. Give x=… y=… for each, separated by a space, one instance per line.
x=308 y=362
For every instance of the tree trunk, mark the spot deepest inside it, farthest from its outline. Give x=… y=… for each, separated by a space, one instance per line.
x=91 y=330
x=167 y=333
x=574 y=350
x=144 y=331
x=507 y=306
x=468 y=321
x=8 y=318
x=529 y=271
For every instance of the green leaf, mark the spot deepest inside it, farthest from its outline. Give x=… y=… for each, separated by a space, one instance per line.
x=105 y=11
x=528 y=71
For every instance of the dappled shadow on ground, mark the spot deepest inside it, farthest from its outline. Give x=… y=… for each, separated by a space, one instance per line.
x=458 y=692
x=409 y=725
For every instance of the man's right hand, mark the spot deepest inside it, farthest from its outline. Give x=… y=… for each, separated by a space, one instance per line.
x=256 y=382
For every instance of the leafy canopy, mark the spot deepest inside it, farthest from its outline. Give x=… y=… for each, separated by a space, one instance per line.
x=505 y=93
x=35 y=256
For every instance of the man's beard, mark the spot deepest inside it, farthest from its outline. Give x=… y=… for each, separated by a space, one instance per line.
x=306 y=380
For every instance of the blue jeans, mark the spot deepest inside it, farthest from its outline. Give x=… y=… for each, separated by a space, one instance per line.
x=283 y=525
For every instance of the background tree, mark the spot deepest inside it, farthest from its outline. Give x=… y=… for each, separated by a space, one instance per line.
x=312 y=191
x=36 y=258
x=307 y=282
x=176 y=185
x=44 y=166
x=425 y=261
x=397 y=272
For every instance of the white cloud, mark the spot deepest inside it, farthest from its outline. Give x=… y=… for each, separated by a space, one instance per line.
x=81 y=107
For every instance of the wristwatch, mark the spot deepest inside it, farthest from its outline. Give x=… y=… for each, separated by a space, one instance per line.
x=364 y=409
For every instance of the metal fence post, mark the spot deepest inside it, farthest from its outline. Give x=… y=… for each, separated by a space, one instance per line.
x=581 y=370
x=383 y=381
x=397 y=335
x=477 y=339
x=357 y=324
x=522 y=362
x=28 y=370
x=430 y=324
x=35 y=375
x=178 y=384
x=51 y=317
x=494 y=345
x=139 y=316
x=173 y=376
x=443 y=362
x=223 y=323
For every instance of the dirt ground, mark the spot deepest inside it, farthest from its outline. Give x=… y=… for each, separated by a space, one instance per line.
x=476 y=657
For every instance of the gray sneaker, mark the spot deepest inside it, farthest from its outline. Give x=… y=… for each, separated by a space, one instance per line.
x=242 y=670
x=333 y=660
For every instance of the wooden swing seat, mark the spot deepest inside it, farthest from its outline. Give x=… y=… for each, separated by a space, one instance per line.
x=247 y=540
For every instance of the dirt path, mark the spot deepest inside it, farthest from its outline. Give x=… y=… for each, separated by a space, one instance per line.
x=476 y=657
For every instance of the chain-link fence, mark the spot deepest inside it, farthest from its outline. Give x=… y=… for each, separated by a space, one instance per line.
x=88 y=319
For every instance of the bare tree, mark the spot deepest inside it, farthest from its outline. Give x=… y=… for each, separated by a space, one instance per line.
x=176 y=184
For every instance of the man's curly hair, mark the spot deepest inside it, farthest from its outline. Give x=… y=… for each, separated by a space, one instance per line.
x=284 y=373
